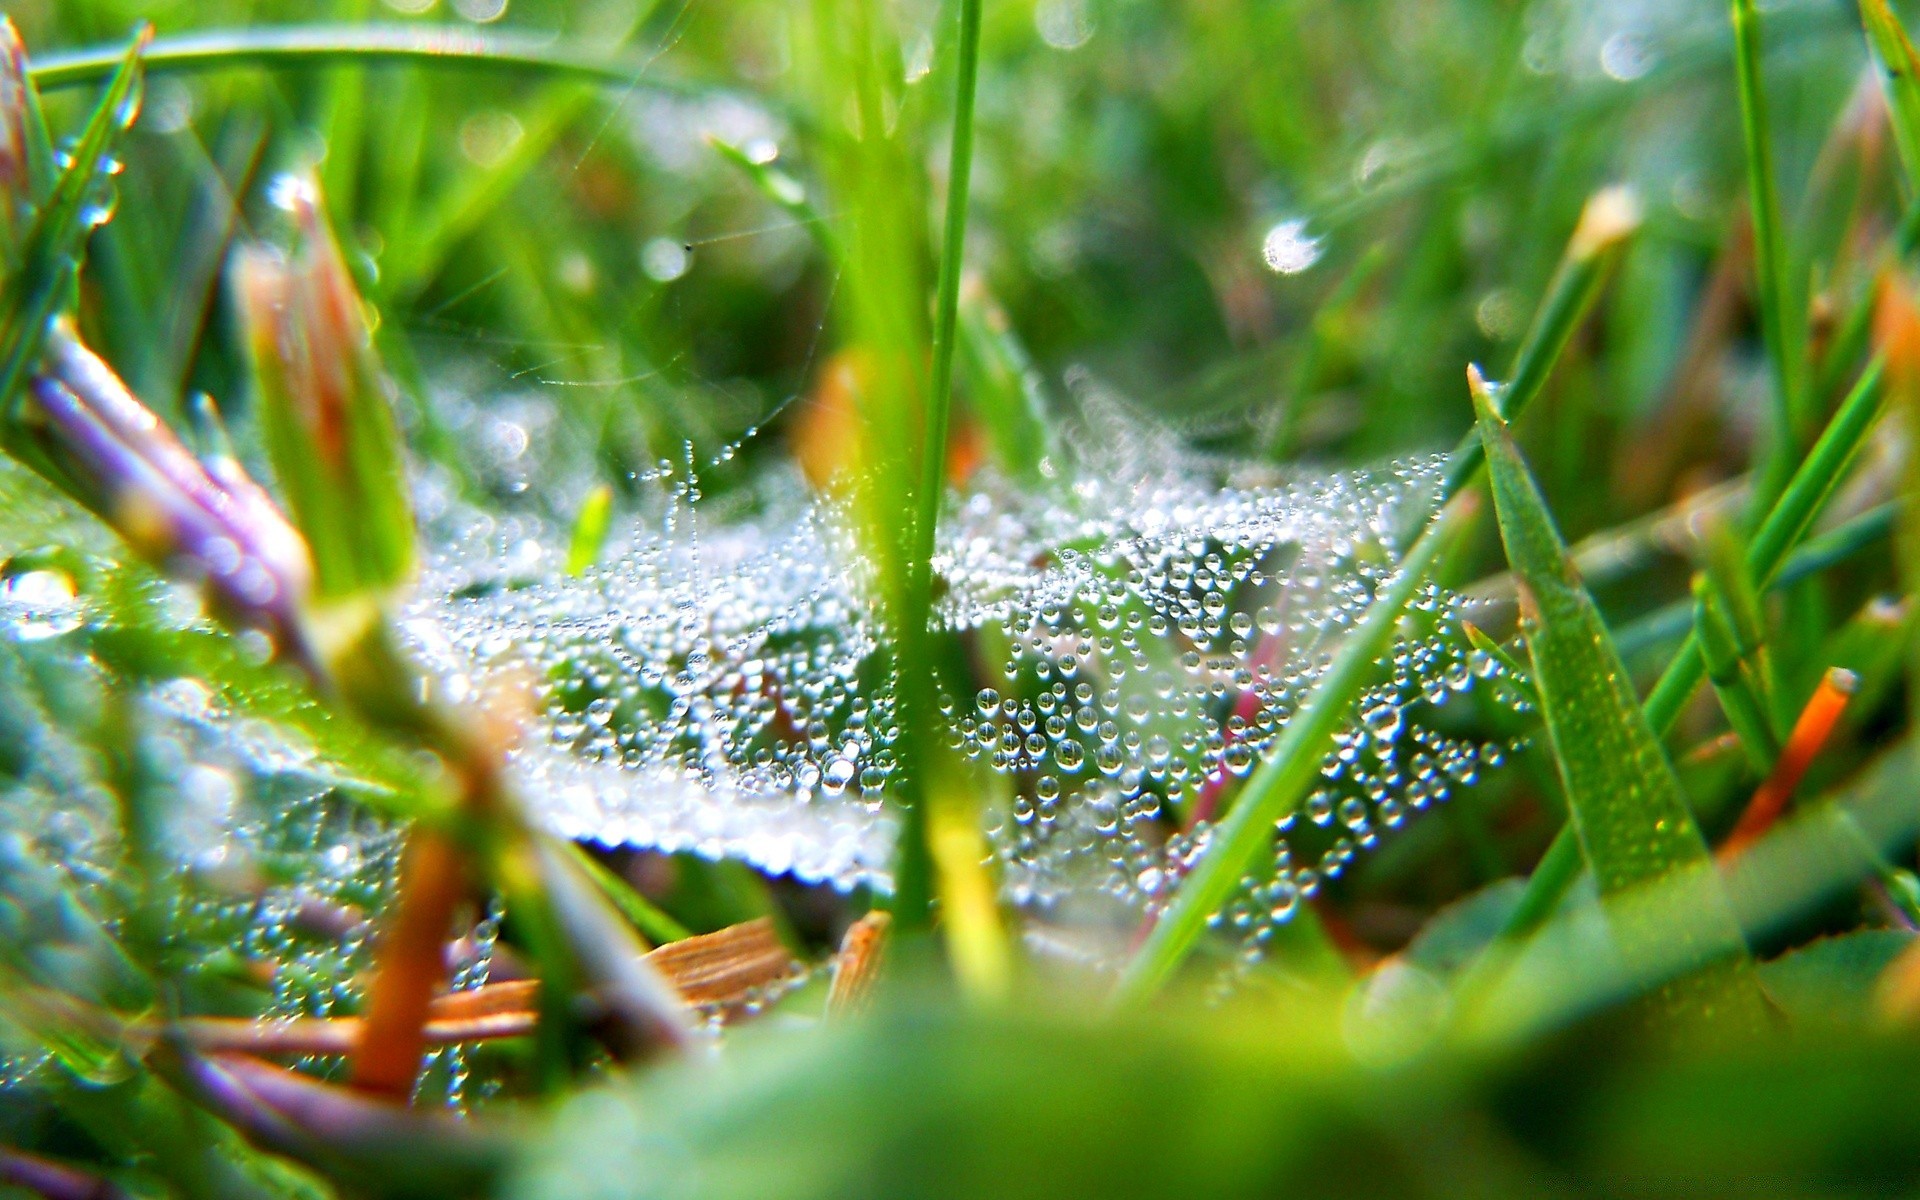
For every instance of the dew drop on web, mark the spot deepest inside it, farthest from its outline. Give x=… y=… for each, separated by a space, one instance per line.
x=1142 y=629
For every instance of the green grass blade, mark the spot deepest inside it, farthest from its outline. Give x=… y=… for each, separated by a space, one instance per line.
x=50 y=256
x=646 y=916
x=786 y=192
x=1900 y=78
x=1609 y=219
x=330 y=45
x=933 y=450
x=1792 y=515
x=1780 y=323
x=1624 y=801
x=590 y=529
x=1280 y=784
x=1277 y=787
x=1732 y=683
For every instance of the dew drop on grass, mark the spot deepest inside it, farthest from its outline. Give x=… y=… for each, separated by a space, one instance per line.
x=40 y=603
x=1289 y=249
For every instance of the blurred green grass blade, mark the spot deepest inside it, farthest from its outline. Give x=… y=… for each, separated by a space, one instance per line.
x=55 y=242
x=37 y=167
x=461 y=209
x=1623 y=799
x=1781 y=325
x=324 y=44
x=1818 y=475
x=1003 y=389
x=646 y=916
x=953 y=247
x=1283 y=780
x=1726 y=670
x=1609 y=219
x=786 y=192
x=590 y=529
x=1893 y=53
x=1479 y=640
x=326 y=406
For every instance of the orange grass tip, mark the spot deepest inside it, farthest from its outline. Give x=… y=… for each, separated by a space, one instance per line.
x=1809 y=736
x=1896 y=325
x=1610 y=217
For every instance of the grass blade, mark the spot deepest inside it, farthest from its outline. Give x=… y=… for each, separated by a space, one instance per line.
x=1624 y=801
x=325 y=45
x=933 y=450
x=1281 y=783
x=1900 y=78
x=50 y=257
x=1792 y=515
x=972 y=922
x=1609 y=218
x=1779 y=326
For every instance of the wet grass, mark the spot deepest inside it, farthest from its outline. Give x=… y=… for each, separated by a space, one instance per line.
x=906 y=247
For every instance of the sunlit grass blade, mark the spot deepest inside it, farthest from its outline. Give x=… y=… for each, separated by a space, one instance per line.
x=1624 y=801
x=1609 y=219
x=953 y=246
x=590 y=528
x=975 y=939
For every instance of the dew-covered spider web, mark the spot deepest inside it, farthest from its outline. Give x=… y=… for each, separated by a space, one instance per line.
x=1136 y=632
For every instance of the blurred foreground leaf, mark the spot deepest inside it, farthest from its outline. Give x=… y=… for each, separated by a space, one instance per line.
x=936 y=1103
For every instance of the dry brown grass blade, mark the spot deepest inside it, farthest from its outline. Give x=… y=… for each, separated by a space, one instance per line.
x=339 y=1035
x=724 y=969
x=862 y=950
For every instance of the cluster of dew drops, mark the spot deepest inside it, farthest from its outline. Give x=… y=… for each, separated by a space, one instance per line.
x=1155 y=662
x=1145 y=623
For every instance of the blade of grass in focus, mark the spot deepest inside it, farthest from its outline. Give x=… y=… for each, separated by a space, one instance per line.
x=1623 y=798
x=968 y=897
x=1785 y=526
